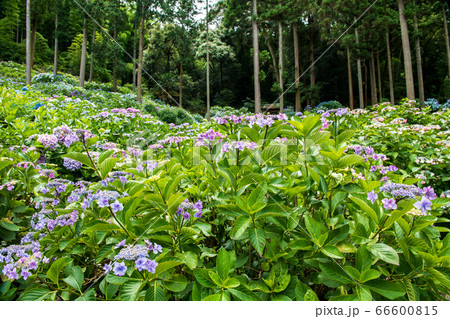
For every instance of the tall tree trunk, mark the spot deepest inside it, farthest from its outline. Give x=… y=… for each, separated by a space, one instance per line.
x=298 y=103
x=380 y=85
x=28 y=39
x=55 y=57
x=141 y=56
x=83 y=54
x=350 y=79
x=115 y=57
x=360 y=81
x=181 y=84
x=419 y=63
x=406 y=51
x=256 y=57
x=208 y=89
x=134 y=57
x=312 y=60
x=274 y=60
x=391 y=78
x=33 y=40
x=447 y=40
x=373 y=80
x=91 y=66
x=281 y=66
x=366 y=96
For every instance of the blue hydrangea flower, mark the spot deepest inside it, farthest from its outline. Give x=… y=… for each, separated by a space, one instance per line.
x=120 y=269
x=116 y=206
x=424 y=205
x=372 y=197
x=107 y=268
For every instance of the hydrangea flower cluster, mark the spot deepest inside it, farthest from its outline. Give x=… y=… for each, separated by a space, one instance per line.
x=155 y=146
x=83 y=135
x=106 y=199
x=20 y=260
x=186 y=207
x=239 y=145
x=262 y=120
x=48 y=173
x=173 y=140
x=383 y=169
x=119 y=175
x=401 y=190
x=48 y=140
x=431 y=161
x=149 y=166
x=209 y=138
x=65 y=135
x=108 y=146
x=9 y=186
x=25 y=165
x=232 y=119
x=71 y=164
x=367 y=153
x=57 y=185
x=41 y=220
x=137 y=253
x=338 y=112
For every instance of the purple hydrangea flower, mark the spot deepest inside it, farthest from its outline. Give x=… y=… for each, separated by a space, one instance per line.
x=120 y=269
x=121 y=244
x=25 y=274
x=141 y=263
x=424 y=205
x=116 y=206
x=157 y=249
x=429 y=193
x=389 y=203
x=71 y=164
x=48 y=140
x=372 y=196
x=107 y=268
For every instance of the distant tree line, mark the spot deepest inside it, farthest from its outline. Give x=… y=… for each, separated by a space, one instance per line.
x=359 y=52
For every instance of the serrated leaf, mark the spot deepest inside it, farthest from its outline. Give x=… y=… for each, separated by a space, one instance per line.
x=82 y=158
x=130 y=289
x=223 y=263
x=107 y=166
x=56 y=268
x=9 y=226
x=332 y=251
x=203 y=278
x=166 y=265
x=363 y=293
x=243 y=294
x=75 y=280
x=365 y=207
x=385 y=253
x=177 y=283
x=240 y=226
x=35 y=294
x=102 y=227
x=231 y=283
x=388 y=289
x=155 y=293
x=350 y=160
x=103 y=252
x=335 y=272
x=409 y=289
x=258 y=239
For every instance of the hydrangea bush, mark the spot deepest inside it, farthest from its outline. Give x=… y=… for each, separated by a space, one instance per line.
x=100 y=202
